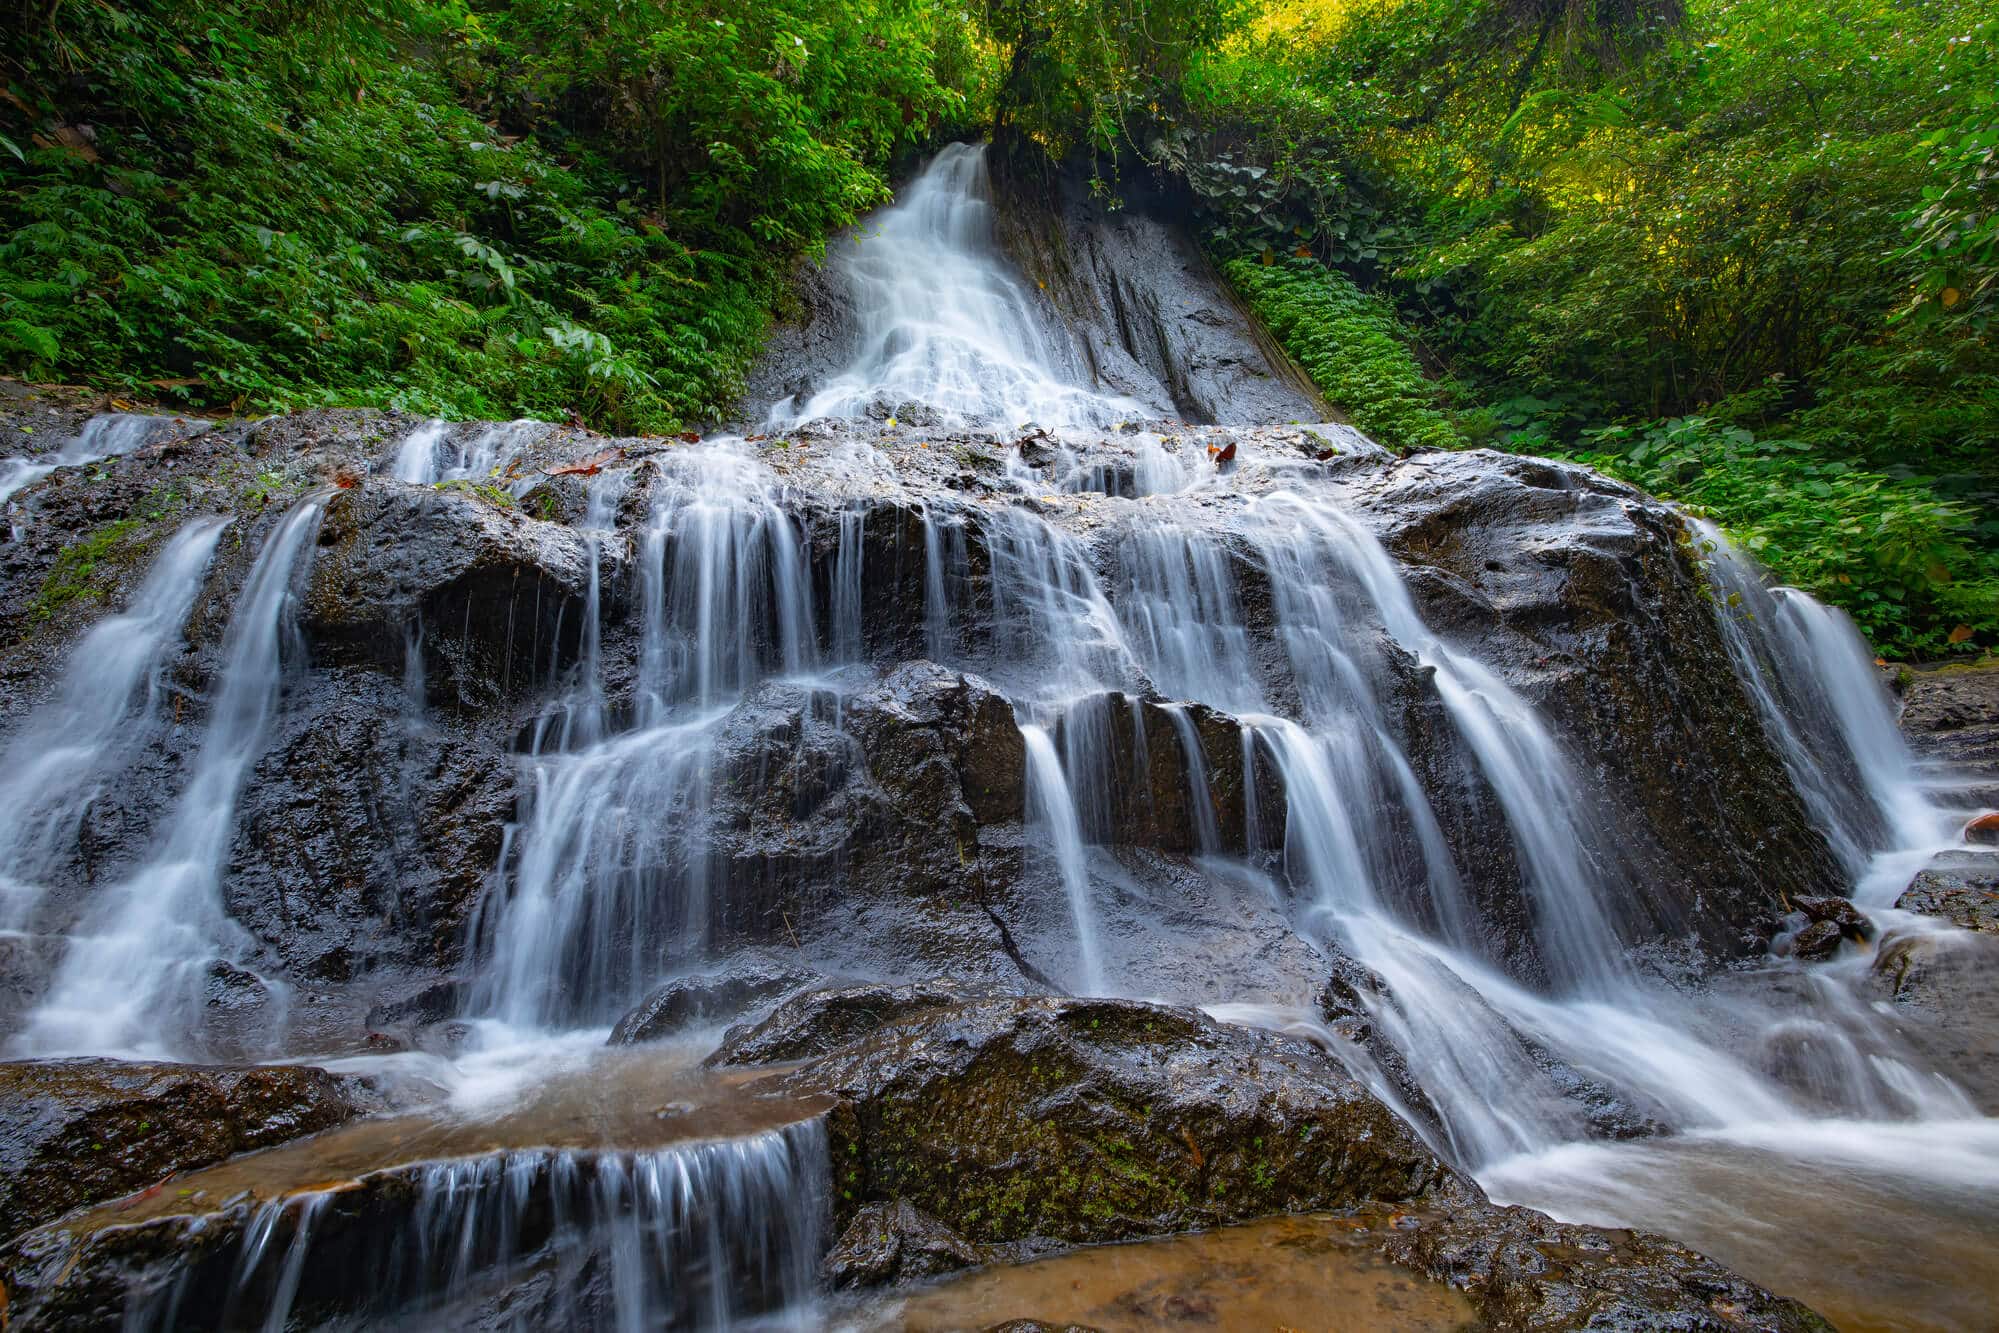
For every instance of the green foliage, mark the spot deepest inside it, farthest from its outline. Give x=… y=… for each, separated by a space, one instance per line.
x=1351 y=345
x=1904 y=563
x=487 y=210
x=1098 y=74
x=1779 y=218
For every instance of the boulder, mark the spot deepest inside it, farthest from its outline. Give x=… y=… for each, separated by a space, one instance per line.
x=894 y=1242
x=77 y=1132
x=1082 y=1120
x=1585 y=595
x=824 y=1020
x=499 y=595
x=1840 y=912
x=1527 y=1273
x=1983 y=830
x=704 y=997
x=1817 y=941
x=1945 y=987
x=1951 y=714
x=1961 y=887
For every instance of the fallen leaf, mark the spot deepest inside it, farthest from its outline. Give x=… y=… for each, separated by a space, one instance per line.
x=1193 y=1148
x=587 y=467
x=1226 y=455
x=1324 y=454
x=689 y=437
x=1960 y=634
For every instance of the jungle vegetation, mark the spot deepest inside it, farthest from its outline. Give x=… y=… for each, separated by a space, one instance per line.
x=1739 y=252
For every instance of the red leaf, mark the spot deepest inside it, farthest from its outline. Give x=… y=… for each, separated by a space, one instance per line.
x=585 y=467
x=689 y=437
x=1225 y=454
x=1324 y=454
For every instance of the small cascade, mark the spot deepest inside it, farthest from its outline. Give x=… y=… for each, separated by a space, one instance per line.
x=139 y=975
x=610 y=881
x=428 y=454
x=106 y=435
x=68 y=749
x=1054 y=811
x=967 y=349
x=1826 y=709
x=705 y=1234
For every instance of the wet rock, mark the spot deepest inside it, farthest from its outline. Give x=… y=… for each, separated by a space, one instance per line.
x=1961 y=887
x=1142 y=300
x=1951 y=714
x=927 y=728
x=825 y=1020
x=1585 y=1105
x=1584 y=594
x=1945 y=989
x=76 y=1132
x=894 y=1242
x=1984 y=830
x=1527 y=1273
x=1818 y=941
x=1081 y=1120
x=1138 y=782
x=499 y=596
x=366 y=834
x=1840 y=912
x=705 y=997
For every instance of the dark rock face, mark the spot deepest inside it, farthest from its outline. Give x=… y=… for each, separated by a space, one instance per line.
x=1143 y=302
x=1584 y=595
x=499 y=596
x=825 y=1020
x=76 y=1132
x=1525 y=1272
x=1952 y=714
x=1081 y=1120
x=1961 y=887
x=1136 y=780
x=363 y=842
x=689 y=1001
x=894 y=1242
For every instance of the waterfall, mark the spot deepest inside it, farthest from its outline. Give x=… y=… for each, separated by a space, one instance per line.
x=703 y=1234
x=427 y=455
x=946 y=327
x=136 y=976
x=610 y=882
x=1133 y=599
x=104 y=436
x=76 y=743
x=1826 y=710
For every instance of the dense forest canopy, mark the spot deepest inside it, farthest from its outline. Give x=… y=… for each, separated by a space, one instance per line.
x=1740 y=252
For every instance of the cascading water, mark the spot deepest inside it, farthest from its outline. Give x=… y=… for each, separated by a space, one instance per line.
x=1133 y=594
x=428 y=454
x=705 y=1234
x=135 y=977
x=73 y=746
x=105 y=436
x=947 y=327
x=1828 y=713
